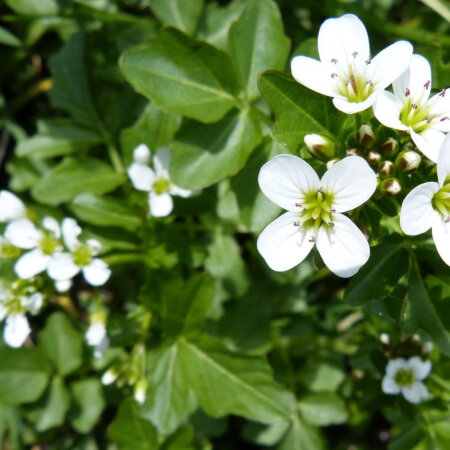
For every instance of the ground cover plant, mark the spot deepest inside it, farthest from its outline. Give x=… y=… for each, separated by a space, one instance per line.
x=224 y=225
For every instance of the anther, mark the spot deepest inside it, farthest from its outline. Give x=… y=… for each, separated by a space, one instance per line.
x=442 y=93
x=414 y=106
x=447 y=220
x=296 y=224
x=334 y=75
x=313 y=239
x=319 y=190
x=427 y=84
x=443 y=119
x=428 y=119
x=407 y=92
x=332 y=210
x=331 y=224
x=298 y=205
x=368 y=61
x=334 y=61
x=369 y=83
x=355 y=54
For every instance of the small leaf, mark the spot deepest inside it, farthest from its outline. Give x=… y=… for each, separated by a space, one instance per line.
x=33 y=8
x=7 y=38
x=182 y=76
x=323 y=409
x=302 y=436
x=72 y=177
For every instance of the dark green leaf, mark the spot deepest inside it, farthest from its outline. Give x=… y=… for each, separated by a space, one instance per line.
x=323 y=409
x=302 y=436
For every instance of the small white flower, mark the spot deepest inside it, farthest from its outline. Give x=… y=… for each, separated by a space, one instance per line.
x=22 y=233
x=64 y=266
x=11 y=207
x=96 y=334
x=156 y=182
x=63 y=285
x=141 y=154
x=411 y=109
x=345 y=70
x=109 y=377
x=314 y=213
x=428 y=206
x=405 y=376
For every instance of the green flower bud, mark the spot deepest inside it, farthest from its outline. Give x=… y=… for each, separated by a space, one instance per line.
x=366 y=135
x=386 y=169
x=354 y=152
x=390 y=187
x=408 y=161
x=331 y=162
x=389 y=146
x=373 y=157
x=319 y=146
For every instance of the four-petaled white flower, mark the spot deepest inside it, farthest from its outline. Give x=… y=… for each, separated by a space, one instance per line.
x=64 y=266
x=11 y=207
x=156 y=182
x=43 y=244
x=13 y=308
x=314 y=213
x=96 y=334
x=411 y=109
x=428 y=206
x=345 y=70
x=405 y=376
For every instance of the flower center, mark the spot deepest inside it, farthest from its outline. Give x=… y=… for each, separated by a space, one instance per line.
x=404 y=377
x=48 y=244
x=13 y=306
x=161 y=185
x=317 y=211
x=82 y=255
x=441 y=201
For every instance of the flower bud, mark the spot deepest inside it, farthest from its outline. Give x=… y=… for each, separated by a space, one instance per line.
x=366 y=135
x=140 y=391
x=319 y=146
x=373 y=157
x=331 y=162
x=408 y=161
x=141 y=154
x=390 y=187
x=109 y=377
x=354 y=152
x=389 y=146
x=386 y=169
x=385 y=339
x=427 y=347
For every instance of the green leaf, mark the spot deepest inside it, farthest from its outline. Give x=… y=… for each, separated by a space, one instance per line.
x=229 y=383
x=302 y=436
x=224 y=262
x=7 y=38
x=105 y=211
x=70 y=89
x=62 y=343
x=130 y=431
x=257 y=42
x=182 y=14
x=57 y=138
x=204 y=154
x=298 y=110
x=379 y=276
x=154 y=128
x=170 y=401
x=87 y=404
x=23 y=375
x=323 y=409
x=182 y=76
x=72 y=177
x=320 y=375
x=33 y=8
x=424 y=313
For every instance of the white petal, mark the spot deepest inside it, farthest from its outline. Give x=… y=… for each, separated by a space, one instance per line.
x=31 y=263
x=52 y=225
x=282 y=244
x=63 y=285
x=312 y=74
x=416 y=393
x=339 y=38
x=141 y=154
x=342 y=104
x=389 y=386
x=95 y=245
x=441 y=237
x=11 y=207
x=429 y=142
x=352 y=182
x=34 y=302
x=95 y=333
x=109 y=377
x=344 y=248
x=175 y=190
x=443 y=161
x=22 y=233
x=142 y=177
x=97 y=272
x=420 y=368
x=62 y=267
x=394 y=365
x=390 y=64
x=387 y=108
x=160 y=205
x=161 y=161
x=70 y=232
x=3 y=311
x=16 y=330
x=440 y=107
x=285 y=179
x=101 y=347
x=417 y=213
x=414 y=79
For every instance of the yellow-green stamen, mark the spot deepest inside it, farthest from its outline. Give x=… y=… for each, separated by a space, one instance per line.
x=82 y=256
x=161 y=185
x=441 y=201
x=48 y=244
x=404 y=377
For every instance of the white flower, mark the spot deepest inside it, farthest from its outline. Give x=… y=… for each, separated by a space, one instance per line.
x=141 y=154
x=156 y=182
x=410 y=108
x=11 y=207
x=314 y=213
x=96 y=334
x=345 y=70
x=405 y=376
x=22 y=233
x=109 y=377
x=64 y=266
x=13 y=308
x=428 y=206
